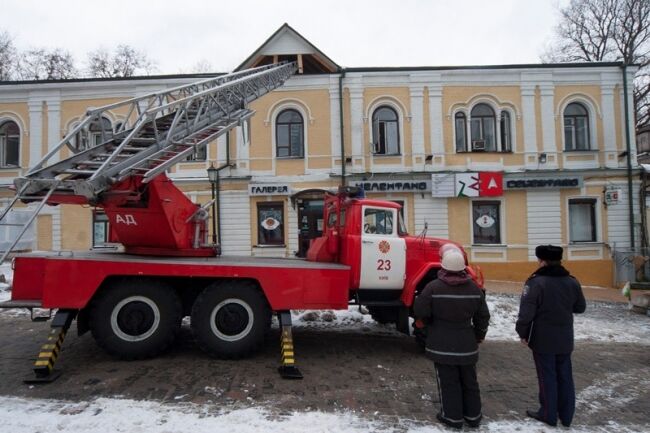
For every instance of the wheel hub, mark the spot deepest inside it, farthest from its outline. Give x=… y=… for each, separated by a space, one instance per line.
x=135 y=318
x=232 y=319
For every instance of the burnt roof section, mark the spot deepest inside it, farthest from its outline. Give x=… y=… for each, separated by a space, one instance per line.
x=316 y=62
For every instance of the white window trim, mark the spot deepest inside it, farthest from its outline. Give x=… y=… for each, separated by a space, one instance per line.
x=597 y=216
x=400 y=109
x=502 y=222
x=306 y=121
x=593 y=112
x=11 y=117
x=497 y=108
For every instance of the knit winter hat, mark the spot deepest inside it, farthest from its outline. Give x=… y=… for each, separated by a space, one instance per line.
x=453 y=260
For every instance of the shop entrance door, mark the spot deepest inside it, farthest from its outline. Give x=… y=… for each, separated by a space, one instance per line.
x=310 y=223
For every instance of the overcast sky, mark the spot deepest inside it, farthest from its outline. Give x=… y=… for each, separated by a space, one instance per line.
x=179 y=34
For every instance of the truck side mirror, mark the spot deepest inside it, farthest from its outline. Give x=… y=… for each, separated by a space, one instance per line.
x=333 y=243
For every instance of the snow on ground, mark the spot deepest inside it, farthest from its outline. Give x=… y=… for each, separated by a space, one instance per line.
x=602 y=322
x=5 y=281
x=21 y=415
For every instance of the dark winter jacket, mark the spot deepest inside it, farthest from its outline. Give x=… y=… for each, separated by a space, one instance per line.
x=457 y=318
x=549 y=299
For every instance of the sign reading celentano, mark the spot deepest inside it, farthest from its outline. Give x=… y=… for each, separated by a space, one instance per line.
x=394 y=185
x=543 y=182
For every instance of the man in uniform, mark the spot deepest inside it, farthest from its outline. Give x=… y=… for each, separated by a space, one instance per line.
x=457 y=317
x=550 y=298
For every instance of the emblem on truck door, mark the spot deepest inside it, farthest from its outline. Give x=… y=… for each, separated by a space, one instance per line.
x=384 y=247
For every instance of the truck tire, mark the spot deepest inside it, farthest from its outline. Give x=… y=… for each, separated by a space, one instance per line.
x=135 y=319
x=230 y=320
x=383 y=315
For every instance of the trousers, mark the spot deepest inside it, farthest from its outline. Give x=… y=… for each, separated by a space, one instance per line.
x=460 y=397
x=557 y=395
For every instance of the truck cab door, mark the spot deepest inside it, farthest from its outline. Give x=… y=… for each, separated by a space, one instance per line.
x=383 y=252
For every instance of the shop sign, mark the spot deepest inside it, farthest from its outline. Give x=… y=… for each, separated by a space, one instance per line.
x=481 y=184
x=394 y=185
x=612 y=196
x=268 y=189
x=543 y=182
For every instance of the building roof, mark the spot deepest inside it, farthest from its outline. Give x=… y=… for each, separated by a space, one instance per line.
x=287 y=41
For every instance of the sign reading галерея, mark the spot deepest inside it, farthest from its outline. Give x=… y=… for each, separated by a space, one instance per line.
x=550 y=182
x=268 y=189
x=393 y=185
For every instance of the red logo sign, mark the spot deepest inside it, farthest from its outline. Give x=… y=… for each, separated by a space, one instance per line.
x=490 y=184
x=384 y=247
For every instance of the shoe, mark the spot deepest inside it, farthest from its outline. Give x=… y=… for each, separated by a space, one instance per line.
x=566 y=424
x=535 y=415
x=473 y=423
x=448 y=423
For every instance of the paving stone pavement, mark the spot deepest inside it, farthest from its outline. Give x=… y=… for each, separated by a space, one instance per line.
x=377 y=375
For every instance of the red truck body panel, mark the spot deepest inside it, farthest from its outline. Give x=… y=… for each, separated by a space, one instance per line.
x=69 y=280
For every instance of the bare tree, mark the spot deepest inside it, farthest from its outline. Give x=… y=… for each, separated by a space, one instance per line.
x=8 y=57
x=608 y=30
x=203 y=66
x=43 y=64
x=124 y=61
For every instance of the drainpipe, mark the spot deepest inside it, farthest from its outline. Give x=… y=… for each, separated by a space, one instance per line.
x=341 y=76
x=628 y=149
x=218 y=187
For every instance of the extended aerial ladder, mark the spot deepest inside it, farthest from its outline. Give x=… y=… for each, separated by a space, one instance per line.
x=125 y=173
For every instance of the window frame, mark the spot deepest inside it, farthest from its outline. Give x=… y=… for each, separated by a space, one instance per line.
x=481 y=119
x=393 y=221
x=593 y=202
x=499 y=223
x=103 y=220
x=289 y=124
x=376 y=134
x=574 y=135
x=270 y=204
x=460 y=116
x=5 y=142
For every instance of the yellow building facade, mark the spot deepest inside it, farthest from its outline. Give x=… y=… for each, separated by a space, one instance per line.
x=497 y=158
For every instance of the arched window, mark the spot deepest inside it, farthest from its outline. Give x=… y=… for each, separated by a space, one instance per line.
x=576 y=127
x=9 y=144
x=385 y=131
x=506 y=132
x=98 y=132
x=289 y=134
x=483 y=128
x=461 y=132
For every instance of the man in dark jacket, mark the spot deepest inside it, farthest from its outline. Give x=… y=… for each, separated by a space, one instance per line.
x=457 y=318
x=550 y=298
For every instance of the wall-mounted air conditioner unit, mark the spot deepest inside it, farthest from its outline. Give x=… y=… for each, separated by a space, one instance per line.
x=478 y=145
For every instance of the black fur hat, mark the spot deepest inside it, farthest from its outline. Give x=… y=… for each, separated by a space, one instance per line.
x=549 y=253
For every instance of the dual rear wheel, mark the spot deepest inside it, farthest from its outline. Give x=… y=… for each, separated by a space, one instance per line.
x=136 y=319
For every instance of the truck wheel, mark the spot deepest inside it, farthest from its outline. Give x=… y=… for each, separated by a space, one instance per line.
x=230 y=320
x=383 y=315
x=136 y=319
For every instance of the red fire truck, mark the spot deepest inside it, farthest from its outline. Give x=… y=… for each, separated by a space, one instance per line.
x=133 y=302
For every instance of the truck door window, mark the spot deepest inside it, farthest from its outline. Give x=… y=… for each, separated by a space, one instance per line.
x=378 y=221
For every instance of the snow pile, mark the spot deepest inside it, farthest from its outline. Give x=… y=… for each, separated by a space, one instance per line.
x=6 y=276
x=129 y=416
